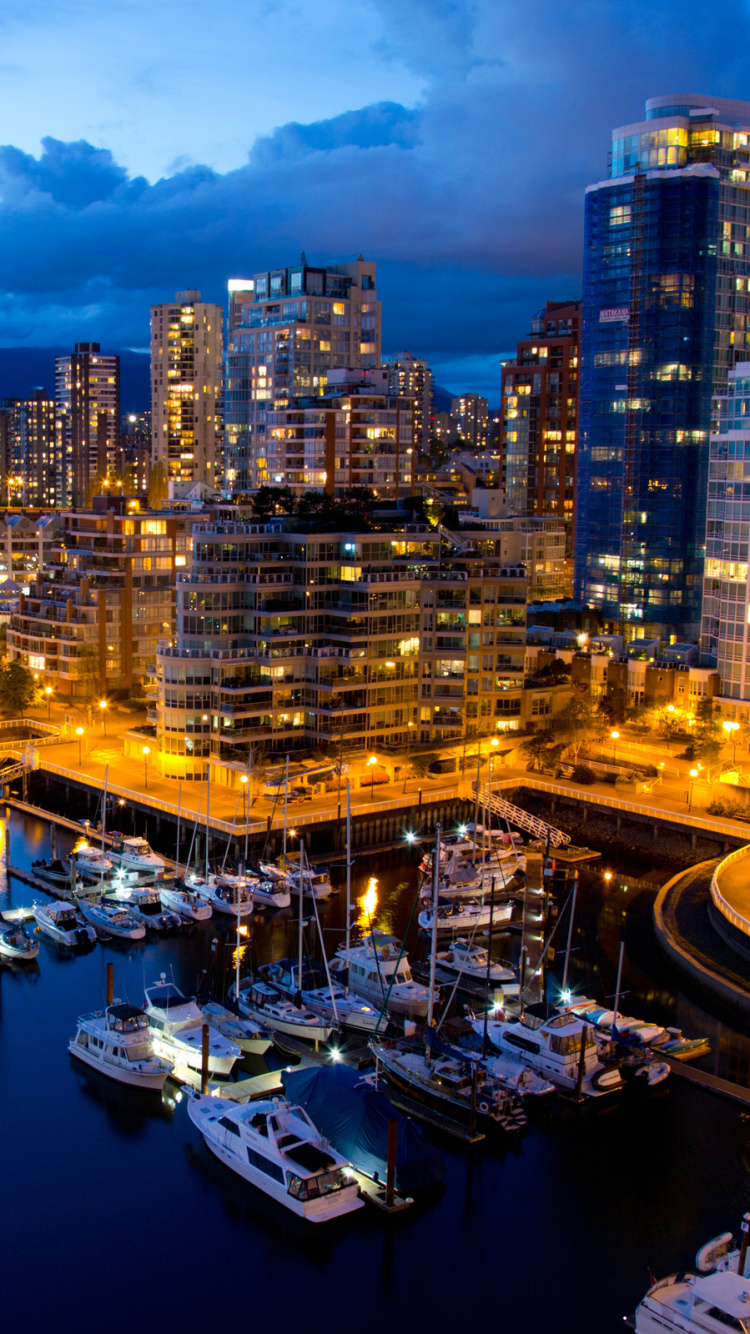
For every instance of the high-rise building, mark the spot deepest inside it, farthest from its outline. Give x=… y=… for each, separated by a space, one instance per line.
x=287 y=329
x=409 y=377
x=187 y=344
x=666 y=313
x=11 y=451
x=470 y=413
x=135 y=446
x=540 y=414
x=38 y=449
x=87 y=444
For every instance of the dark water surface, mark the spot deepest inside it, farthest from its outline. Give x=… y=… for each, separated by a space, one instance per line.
x=116 y=1218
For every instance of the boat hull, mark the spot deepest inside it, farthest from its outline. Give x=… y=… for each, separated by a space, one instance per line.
x=154 y=1082
x=183 y=1053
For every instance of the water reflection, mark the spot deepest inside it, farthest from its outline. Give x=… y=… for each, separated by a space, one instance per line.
x=128 y=1110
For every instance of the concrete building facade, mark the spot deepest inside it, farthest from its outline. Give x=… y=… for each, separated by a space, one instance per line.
x=87 y=437
x=187 y=348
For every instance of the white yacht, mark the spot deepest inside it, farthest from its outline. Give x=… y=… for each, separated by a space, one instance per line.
x=265 y=893
x=135 y=854
x=471 y=964
x=184 y=903
x=248 y=1035
x=465 y=915
x=268 y=1007
x=117 y=1041
x=550 y=1043
x=63 y=924
x=113 y=919
x=177 y=1031
x=92 y=863
x=316 y=882
x=376 y=971
x=276 y=1147
x=223 y=896
x=144 y=903
x=714 y=1298
x=331 y=1002
x=16 y=944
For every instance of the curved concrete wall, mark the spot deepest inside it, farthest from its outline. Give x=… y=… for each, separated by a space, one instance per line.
x=732 y=924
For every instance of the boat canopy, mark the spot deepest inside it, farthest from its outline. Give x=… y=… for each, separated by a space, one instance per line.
x=355 y=1121
x=728 y=1292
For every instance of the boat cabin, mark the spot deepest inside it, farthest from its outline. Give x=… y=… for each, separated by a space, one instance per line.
x=126 y=1018
x=717 y=1302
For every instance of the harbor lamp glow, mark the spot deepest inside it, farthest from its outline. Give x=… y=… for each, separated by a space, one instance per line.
x=244 y=782
x=146 y=751
x=615 y=738
x=103 y=707
x=371 y=764
x=48 y=693
x=731 y=730
x=693 y=776
x=79 y=734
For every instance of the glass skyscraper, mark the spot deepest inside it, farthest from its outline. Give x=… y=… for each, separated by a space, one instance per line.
x=725 y=638
x=666 y=314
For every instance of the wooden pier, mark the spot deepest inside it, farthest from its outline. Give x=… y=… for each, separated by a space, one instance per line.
x=724 y=1087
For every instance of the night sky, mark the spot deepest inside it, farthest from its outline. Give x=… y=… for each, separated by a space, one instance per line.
x=154 y=146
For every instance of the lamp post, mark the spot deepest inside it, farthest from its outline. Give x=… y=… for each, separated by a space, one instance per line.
x=146 y=751
x=48 y=693
x=103 y=707
x=371 y=763
x=245 y=781
x=615 y=738
x=731 y=730
x=79 y=734
x=693 y=776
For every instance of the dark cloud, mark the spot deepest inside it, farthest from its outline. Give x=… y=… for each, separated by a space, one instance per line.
x=471 y=202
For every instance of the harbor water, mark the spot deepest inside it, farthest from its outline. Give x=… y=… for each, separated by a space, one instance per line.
x=116 y=1216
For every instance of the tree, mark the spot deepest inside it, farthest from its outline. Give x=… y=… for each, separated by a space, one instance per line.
x=543 y=748
x=17 y=688
x=158 y=486
x=580 y=721
x=89 y=673
x=95 y=487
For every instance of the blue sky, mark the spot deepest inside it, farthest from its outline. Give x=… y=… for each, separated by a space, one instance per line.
x=154 y=146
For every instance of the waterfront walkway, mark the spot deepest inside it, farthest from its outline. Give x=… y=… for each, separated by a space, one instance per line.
x=685 y=933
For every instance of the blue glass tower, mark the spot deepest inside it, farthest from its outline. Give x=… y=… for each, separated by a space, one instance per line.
x=666 y=314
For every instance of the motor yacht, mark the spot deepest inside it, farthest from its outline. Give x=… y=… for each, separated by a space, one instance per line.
x=249 y=1036
x=448 y=1085
x=143 y=902
x=471 y=963
x=117 y=1042
x=466 y=915
x=92 y=863
x=316 y=882
x=186 y=904
x=63 y=924
x=550 y=1043
x=715 y=1297
x=177 y=1030
x=112 y=919
x=222 y=896
x=16 y=944
x=378 y=970
x=276 y=1147
x=135 y=854
x=332 y=1002
x=267 y=1005
x=265 y=893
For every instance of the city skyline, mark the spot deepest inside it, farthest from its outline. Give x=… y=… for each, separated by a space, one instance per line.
x=447 y=127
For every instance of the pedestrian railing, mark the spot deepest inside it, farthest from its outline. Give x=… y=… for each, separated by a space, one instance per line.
x=737 y=919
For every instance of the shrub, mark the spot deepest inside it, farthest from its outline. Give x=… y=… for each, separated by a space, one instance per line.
x=582 y=774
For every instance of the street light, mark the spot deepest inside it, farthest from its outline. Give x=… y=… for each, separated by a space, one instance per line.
x=146 y=751
x=732 y=729
x=244 y=782
x=79 y=734
x=371 y=763
x=693 y=776
x=48 y=693
x=615 y=738
x=103 y=707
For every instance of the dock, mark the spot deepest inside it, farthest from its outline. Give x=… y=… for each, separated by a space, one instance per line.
x=243 y=1090
x=374 y=1192
x=724 y=1087
x=411 y=1107
x=79 y=827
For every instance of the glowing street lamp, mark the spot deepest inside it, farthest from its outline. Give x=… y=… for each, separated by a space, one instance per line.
x=615 y=738
x=731 y=730
x=146 y=751
x=103 y=707
x=79 y=734
x=371 y=764
x=693 y=776
x=48 y=693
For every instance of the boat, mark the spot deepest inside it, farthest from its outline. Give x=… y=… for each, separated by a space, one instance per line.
x=117 y=1042
x=143 y=902
x=456 y=1088
x=265 y=893
x=92 y=863
x=267 y=1005
x=223 y=897
x=276 y=1147
x=466 y=915
x=135 y=854
x=513 y=1074
x=247 y=1035
x=63 y=924
x=471 y=964
x=316 y=883
x=112 y=919
x=177 y=1030
x=339 y=1008
x=183 y=902
x=377 y=969
x=60 y=875
x=15 y=943
x=560 y=1047
x=714 y=1296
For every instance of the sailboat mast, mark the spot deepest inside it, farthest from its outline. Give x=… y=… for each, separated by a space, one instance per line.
x=617 y=989
x=177 y=849
x=433 y=946
x=301 y=917
x=247 y=808
x=208 y=787
x=570 y=934
x=348 y=882
x=286 y=800
x=237 y=950
x=104 y=821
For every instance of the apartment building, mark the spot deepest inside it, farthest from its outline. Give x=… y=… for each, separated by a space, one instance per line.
x=290 y=640
x=187 y=348
x=87 y=433
x=27 y=450
x=540 y=545
x=408 y=377
x=96 y=613
x=470 y=416
x=287 y=329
